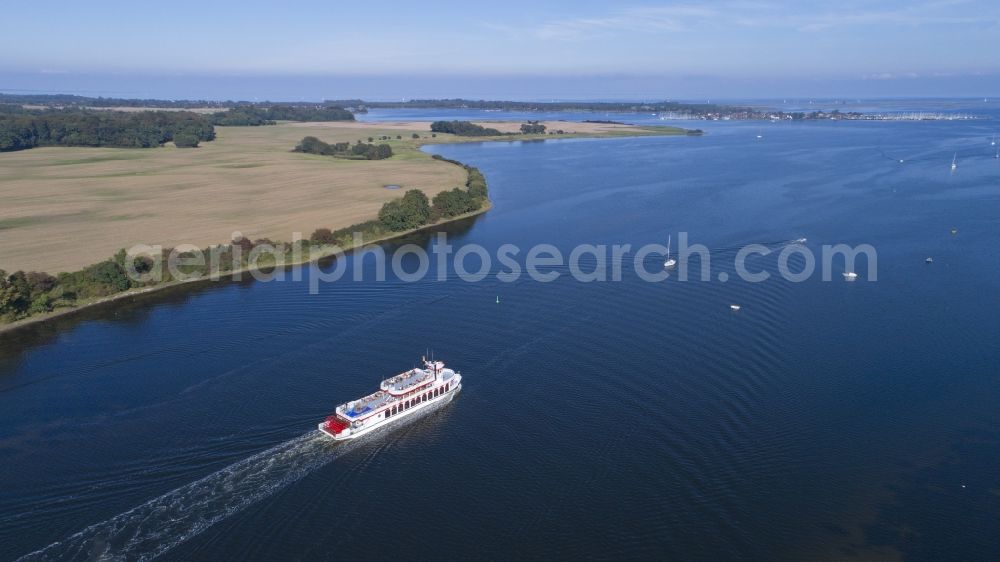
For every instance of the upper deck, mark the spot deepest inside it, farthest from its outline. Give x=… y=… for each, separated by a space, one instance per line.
x=396 y=388
x=413 y=379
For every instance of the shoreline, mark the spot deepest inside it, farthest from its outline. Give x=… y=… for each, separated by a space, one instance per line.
x=69 y=311
x=16 y=325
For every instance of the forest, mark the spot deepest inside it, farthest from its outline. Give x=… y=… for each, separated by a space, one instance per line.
x=253 y=115
x=21 y=129
x=463 y=129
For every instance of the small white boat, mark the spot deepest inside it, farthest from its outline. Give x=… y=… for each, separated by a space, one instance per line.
x=800 y=240
x=994 y=141
x=670 y=262
x=929 y=260
x=954 y=162
x=734 y=307
x=850 y=276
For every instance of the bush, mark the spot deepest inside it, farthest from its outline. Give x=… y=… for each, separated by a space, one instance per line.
x=186 y=140
x=323 y=236
x=312 y=145
x=533 y=128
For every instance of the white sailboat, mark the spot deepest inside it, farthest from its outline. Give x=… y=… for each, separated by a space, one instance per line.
x=994 y=141
x=670 y=262
x=954 y=162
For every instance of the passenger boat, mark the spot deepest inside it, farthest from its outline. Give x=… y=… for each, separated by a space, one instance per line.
x=404 y=395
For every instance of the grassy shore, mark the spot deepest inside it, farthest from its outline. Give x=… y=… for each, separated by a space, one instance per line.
x=310 y=257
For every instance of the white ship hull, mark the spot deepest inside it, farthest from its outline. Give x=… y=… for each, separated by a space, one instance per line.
x=409 y=415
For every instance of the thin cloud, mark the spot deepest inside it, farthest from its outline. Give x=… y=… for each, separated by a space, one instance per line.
x=679 y=18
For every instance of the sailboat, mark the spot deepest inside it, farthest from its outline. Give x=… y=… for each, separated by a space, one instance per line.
x=994 y=141
x=954 y=163
x=670 y=262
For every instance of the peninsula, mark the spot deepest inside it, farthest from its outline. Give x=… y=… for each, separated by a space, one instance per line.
x=72 y=201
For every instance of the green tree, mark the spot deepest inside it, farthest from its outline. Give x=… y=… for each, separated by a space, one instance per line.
x=323 y=236
x=108 y=276
x=532 y=128
x=411 y=211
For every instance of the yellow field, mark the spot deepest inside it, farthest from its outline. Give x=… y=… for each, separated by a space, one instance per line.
x=65 y=208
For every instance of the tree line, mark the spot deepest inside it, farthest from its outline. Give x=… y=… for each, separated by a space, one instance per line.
x=360 y=151
x=23 y=294
x=463 y=129
x=254 y=115
x=23 y=129
x=414 y=210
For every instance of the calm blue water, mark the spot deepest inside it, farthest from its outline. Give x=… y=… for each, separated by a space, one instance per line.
x=606 y=420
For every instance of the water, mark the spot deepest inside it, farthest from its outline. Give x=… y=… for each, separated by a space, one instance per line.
x=605 y=420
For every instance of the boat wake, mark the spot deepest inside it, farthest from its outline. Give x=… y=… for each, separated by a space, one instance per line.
x=149 y=530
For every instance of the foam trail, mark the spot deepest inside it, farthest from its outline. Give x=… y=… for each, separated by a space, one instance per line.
x=149 y=530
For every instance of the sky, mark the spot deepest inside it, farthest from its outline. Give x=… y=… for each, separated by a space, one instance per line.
x=513 y=50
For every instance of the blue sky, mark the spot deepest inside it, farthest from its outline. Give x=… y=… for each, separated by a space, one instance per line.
x=538 y=49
